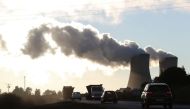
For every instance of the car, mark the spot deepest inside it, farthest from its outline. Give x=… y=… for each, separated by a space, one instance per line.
x=109 y=96
x=156 y=94
x=76 y=95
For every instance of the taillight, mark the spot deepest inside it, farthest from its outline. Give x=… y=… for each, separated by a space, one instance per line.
x=168 y=93
x=149 y=94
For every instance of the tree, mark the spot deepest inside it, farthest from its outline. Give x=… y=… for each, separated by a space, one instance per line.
x=37 y=92
x=49 y=92
x=178 y=80
x=28 y=91
x=10 y=101
x=60 y=94
x=174 y=76
x=18 y=91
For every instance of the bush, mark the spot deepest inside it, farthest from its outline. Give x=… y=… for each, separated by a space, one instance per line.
x=10 y=101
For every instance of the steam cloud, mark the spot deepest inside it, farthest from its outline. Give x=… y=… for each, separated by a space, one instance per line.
x=37 y=45
x=157 y=54
x=86 y=43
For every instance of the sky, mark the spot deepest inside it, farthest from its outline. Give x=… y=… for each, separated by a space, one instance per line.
x=56 y=43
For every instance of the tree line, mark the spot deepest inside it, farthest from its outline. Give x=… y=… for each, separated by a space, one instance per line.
x=25 y=98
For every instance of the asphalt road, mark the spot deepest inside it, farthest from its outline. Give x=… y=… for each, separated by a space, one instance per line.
x=129 y=105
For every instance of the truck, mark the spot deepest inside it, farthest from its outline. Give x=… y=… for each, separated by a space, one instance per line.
x=94 y=92
x=67 y=92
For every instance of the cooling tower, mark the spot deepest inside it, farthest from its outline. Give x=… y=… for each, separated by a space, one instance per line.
x=167 y=62
x=140 y=72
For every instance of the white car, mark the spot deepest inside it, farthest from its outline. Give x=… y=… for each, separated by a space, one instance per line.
x=76 y=95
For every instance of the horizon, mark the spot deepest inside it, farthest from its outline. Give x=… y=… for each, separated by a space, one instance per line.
x=34 y=41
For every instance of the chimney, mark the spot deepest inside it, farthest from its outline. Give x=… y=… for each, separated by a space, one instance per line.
x=140 y=72
x=167 y=62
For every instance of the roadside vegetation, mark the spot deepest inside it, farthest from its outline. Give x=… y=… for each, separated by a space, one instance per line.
x=178 y=80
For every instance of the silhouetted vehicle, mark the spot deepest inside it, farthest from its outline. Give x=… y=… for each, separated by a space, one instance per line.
x=94 y=91
x=156 y=94
x=76 y=95
x=67 y=92
x=109 y=96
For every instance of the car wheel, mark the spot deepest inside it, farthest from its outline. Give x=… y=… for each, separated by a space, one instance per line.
x=146 y=106
x=165 y=106
x=115 y=102
x=170 y=106
x=142 y=105
x=102 y=102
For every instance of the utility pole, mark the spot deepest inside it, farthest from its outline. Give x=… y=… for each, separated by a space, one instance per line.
x=24 y=82
x=8 y=87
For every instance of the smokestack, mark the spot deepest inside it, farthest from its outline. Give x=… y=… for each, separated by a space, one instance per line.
x=167 y=62
x=140 y=72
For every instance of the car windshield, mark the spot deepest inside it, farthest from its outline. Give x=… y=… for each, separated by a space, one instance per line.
x=158 y=88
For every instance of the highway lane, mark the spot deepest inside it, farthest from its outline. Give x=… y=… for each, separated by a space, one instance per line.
x=130 y=105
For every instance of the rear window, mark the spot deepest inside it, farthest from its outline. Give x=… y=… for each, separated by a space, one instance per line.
x=110 y=93
x=76 y=92
x=158 y=88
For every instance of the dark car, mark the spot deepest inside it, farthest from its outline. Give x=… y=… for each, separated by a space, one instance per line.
x=76 y=95
x=109 y=96
x=156 y=94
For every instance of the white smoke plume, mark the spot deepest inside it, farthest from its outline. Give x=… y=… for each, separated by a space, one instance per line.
x=37 y=45
x=157 y=54
x=87 y=43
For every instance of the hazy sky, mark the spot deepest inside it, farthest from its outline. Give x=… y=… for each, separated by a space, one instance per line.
x=27 y=48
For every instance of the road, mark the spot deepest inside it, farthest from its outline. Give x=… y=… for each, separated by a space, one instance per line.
x=130 y=105
x=86 y=104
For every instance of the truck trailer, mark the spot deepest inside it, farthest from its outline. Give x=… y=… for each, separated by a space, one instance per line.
x=67 y=92
x=94 y=92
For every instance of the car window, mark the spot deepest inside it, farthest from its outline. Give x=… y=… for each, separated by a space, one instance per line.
x=109 y=94
x=76 y=93
x=158 y=88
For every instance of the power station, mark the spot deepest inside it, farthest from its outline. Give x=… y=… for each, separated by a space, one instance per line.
x=167 y=62
x=140 y=72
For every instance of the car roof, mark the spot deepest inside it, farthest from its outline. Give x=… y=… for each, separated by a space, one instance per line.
x=157 y=84
x=76 y=92
x=109 y=91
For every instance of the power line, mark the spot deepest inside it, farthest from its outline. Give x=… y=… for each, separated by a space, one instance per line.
x=24 y=82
